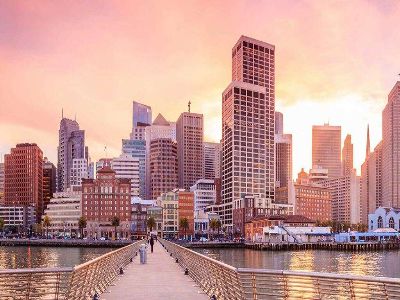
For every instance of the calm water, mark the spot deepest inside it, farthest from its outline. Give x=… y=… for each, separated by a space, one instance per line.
x=385 y=264
x=42 y=257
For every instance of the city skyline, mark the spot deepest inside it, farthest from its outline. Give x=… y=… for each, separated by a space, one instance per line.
x=317 y=80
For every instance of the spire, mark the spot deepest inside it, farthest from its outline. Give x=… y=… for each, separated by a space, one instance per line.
x=368 y=151
x=189 y=103
x=62 y=113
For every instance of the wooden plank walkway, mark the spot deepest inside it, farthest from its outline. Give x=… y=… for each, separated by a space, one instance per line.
x=159 y=278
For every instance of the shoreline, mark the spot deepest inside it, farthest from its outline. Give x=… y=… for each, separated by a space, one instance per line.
x=63 y=243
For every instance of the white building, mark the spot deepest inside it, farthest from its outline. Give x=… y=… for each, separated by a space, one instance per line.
x=126 y=166
x=64 y=211
x=317 y=173
x=24 y=216
x=294 y=234
x=79 y=170
x=384 y=217
x=212 y=160
x=204 y=193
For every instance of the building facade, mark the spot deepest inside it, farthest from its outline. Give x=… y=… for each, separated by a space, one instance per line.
x=278 y=122
x=204 y=193
x=186 y=211
x=189 y=136
x=22 y=217
x=212 y=160
x=23 y=177
x=141 y=118
x=49 y=181
x=390 y=149
x=128 y=167
x=283 y=159
x=326 y=148
x=103 y=199
x=347 y=156
x=79 y=170
x=1 y=183
x=248 y=127
x=137 y=150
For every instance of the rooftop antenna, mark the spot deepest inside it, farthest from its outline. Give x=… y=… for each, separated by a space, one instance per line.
x=75 y=117
x=189 y=103
x=62 y=113
x=105 y=150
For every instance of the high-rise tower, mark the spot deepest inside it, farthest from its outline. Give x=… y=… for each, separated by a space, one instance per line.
x=141 y=119
x=248 y=127
x=347 y=156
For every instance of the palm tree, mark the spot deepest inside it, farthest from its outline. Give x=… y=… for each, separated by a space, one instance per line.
x=151 y=223
x=82 y=225
x=1 y=224
x=115 y=222
x=47 y=223
x=184 y=224
x=213 y=225
x=219 y=225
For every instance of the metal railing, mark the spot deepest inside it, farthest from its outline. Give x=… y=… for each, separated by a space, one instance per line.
x=227 y=282
x=78 y=283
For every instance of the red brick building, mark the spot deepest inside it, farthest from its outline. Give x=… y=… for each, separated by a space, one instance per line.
x=23 y=178
x=103 y=199
x=314 y=202
x=186 y=210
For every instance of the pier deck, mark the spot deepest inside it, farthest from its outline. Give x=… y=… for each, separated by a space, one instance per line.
x=159 y=278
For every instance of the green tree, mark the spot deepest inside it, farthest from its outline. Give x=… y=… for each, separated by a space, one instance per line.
x=115 y=222
x=46 y=224
x=151 y=223
x=184 y=224
x=82 y=223
x=214 y=225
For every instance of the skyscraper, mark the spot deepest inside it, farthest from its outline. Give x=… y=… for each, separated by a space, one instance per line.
x=248 y=127
x=278 y=122
x=23 y=182
x=189 y=136
x=141 y=119
x=49 y=181
x=128 y=167
x=283 y=156
x=212 y=160
x=326 y=147
x=391 y=149
x=1 y=183
x=347 y=156
x=163 y=166
x=71 y=146
x=137 y=150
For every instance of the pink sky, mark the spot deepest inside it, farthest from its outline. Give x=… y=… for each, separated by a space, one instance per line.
x=336 y=61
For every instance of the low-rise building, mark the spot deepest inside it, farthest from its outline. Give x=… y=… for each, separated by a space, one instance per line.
x=384 y=217
x=169 y=203
x=18 y=216
x=157 y=213
x=64 y=212
x=139 y=216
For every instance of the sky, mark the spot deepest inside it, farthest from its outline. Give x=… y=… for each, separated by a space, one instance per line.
x=336 y=62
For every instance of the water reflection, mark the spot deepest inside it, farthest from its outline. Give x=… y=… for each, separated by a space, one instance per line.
x=385 y=264
x=42 y=257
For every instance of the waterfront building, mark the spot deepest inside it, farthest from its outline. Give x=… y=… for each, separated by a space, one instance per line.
x=268 y=228
x=137 y=149
x=79 y=170
x=248 y=127
x=283 y=159
x=186 y=211
x=169 y=203
x=204 y=194
x=384 y=217
x=212 y=160
x=128 y=167
x=49 y=181
x=345 y=194
x=278 y=122
x=139 y=217
x=189 y=136
x=103 y=199
x=1 y=183
x=381 y=235
x=251 y=206
x=141 y=119
x=157 y=213
x=71 y=146
x=22 y=217
x=390 y=149
x=326 y=147
x=163 y=166
x=64 y=211
x=347 y=156
x=202 y=222
x=23 y=177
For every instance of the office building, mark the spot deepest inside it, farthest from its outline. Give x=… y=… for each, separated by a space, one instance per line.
x=49 y=181
x=390 y=149
x=71 y=146
x=186 y=211
x=128 y=167
x=212 y=160
x=326 y=148
x=248 y=127
x=23 y=177
x=278 y=122
x=283 y=158
x=140 y=120
x=103 y=199
x=204 y=193
x=347 y=156
x=1 y=183
x=137 y=150
x=163 y=162
x=79 y=170
x=20 y=216
x=189 y=136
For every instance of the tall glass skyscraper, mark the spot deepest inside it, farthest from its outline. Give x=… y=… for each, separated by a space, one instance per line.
x=137 y=149
x=141 y=119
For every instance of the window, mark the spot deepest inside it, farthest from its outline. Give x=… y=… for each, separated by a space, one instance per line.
x=391 y=222
x=380 y=222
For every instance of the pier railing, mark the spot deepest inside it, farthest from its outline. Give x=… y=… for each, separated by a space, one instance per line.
x=226 y=282
x=78 y=283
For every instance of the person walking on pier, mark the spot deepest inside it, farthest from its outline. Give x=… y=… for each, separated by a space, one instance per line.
x=151 y=243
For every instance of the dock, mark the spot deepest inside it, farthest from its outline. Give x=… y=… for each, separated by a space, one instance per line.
x=159 y=278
